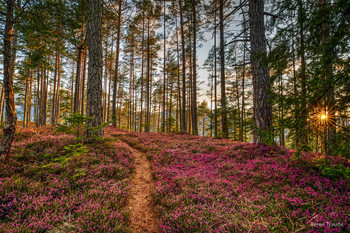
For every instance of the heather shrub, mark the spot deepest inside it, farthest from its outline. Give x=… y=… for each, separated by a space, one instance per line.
x=54 y=184
x=207 y=185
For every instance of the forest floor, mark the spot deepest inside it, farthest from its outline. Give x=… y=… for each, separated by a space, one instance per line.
x=156 y=182
x=141 y=206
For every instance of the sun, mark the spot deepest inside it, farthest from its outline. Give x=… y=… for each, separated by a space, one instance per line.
x=321 y=115
x=324 y=116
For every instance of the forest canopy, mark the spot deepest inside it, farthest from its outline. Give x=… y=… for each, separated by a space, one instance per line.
x=254 y=71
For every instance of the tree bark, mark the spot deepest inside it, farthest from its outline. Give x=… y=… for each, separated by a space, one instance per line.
x=26 y=100
x=164 y=76
x=147 y=126
x=215 y=81
x=302 y=138
x=261 y=79
x=104 y=100
x=243 y=82
x=11 y=118
x=329 y=79
x=142 y=63
x=114 y=99
x=78 y=82
x=72 y=89
x=223 y=79
x=83 y=82
x=183 y=126
x=94 y=85
x=53 y=106
x=2 y=102
x=194 y=77
x=29 y=104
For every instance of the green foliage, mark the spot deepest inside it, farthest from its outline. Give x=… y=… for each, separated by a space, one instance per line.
x=71 y=152
x=74 y=124
x=77 y=124
x=302 y=148
x=79 y=173
x=266 y=136
x=76 y=150
x=331 y=171
x=343 y=138
x=336 y=171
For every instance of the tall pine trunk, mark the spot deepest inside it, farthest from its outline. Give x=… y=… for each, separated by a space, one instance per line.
x=114 y=99
x=215 y=81
x=11 y=118
x=183 y=110
x=53 y=106
x=142 y=63
x=94 y=85
x=302 y=113
x=261 y=79
x=83 y=82
x=164 y=70
x=26 y=94
x=194 y=77
x=178 y=111
x=223 y=78
x=147 y=125
x=328 y=78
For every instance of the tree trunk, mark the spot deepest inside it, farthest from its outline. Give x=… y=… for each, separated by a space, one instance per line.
x=164 y=76
x=29 y=104
x=78 y=82
x=243 y=98
x=261 y=79
x=211 y=99
x=53 y=106
x=142 y=62
x=72 y=88
x=183 y=113
x=178 y=112
x=83 y=82
x=2 y=102
x=26 y=100
x=243 y=83
x=194 y=77
x=147 y=126
x=204 y=125
x=328 y=78
x=94 y=85
x=215 y=81
x=109 y=83
x=236 y=137
x=104 y=100
x=223 y=79
x=57 y=105
x=302 y=138
x=114 y=100
x=37 y=102
x=170 y=105
x=46 y=88
x=11 y=118
x=281 y=111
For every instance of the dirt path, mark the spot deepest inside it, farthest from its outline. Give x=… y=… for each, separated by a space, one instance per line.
x=140 y=203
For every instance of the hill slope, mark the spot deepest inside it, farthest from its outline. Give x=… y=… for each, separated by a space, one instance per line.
x=205 y=184
x=53 y=183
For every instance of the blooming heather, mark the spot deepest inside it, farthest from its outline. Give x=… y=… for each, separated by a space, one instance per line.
x=210 y=185
x=86 y=194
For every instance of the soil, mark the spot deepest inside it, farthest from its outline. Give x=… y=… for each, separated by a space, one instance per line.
x=143 y=217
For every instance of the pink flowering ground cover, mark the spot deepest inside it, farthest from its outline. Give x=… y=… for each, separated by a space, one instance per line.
x=54 y=184
x=211 y=185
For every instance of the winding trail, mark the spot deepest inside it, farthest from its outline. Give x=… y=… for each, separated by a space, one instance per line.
x=143 y=217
